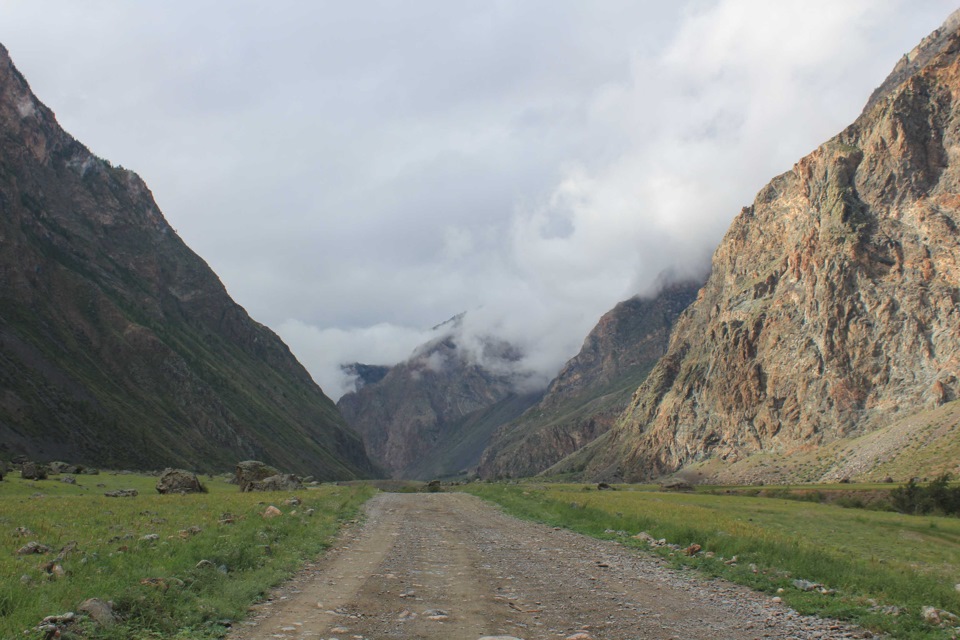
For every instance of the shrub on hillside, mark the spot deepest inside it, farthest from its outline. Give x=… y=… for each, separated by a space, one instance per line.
x=936 y=497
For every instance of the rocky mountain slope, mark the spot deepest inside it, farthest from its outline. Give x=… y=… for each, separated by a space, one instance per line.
x=119 y=346
x=433 y=415
x=833 y=307
x=592 y=389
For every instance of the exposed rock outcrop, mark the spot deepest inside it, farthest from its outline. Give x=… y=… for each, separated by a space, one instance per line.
x=118 y=345
x=833 y=307
x=593 y=388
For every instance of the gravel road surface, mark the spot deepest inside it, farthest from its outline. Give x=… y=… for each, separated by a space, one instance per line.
x=451 y=566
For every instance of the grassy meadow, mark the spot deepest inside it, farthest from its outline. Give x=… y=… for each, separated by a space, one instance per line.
x=142 y=553
x=884 y=567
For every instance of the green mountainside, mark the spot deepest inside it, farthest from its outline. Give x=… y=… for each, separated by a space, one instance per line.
x=119 y=346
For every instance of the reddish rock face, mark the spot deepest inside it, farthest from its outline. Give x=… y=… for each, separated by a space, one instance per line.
x=833 y=307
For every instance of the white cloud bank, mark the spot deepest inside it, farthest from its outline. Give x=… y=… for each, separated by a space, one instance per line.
x=359 y=172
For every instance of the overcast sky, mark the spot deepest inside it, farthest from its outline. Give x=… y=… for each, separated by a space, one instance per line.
x=357 y=172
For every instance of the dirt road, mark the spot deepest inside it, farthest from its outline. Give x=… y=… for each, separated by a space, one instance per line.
x=450 y=566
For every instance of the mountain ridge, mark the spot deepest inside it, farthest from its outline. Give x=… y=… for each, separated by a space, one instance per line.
x=120 y=347
x=833 y=305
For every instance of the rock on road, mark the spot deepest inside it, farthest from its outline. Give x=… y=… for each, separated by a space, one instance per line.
x=450 y=566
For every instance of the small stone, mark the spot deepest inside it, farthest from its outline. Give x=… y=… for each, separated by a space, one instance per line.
x=57 y=571
x=150 y=537
x=26 y=580
x=205 y=564
x=309 y=512
x=405 y=615
x=68 y=480
x=99 y=611
x=806 y=585
x=293 y=502
x=33 y=547
x=777 y=599
x=931 y=615
x=693 y=549
x=580 y=635
x=272 y=512
x=122 y=493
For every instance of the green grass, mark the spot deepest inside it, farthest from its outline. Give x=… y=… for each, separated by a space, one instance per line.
x=249 y=555
x=870 y=558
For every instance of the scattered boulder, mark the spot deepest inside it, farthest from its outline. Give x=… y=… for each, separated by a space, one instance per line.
x=603 y=486
x=938 y=617
x=251 y=471
x=806 y=585
x=68 y=480
x=56 y=467
x=122 y=493
x=99 y=611
x=293 y=502
x=89 y=471
x=693 y=549
x=179 y=481
x=33 y=547
x=278 y=482
x=272 y=512
x=676 y=484
x=33 y=471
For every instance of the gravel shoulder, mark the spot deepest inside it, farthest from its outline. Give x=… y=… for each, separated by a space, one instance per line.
x=451 y=566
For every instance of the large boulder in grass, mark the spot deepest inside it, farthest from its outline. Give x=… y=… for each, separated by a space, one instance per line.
x=179 y=481
x=250 y=471
x=676 y=484
x=279 y=482
x=33 y=471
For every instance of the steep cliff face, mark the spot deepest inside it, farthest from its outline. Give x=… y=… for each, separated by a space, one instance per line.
x=833 y=307
x=592 y=389
x=433 y=414
x=118 y=345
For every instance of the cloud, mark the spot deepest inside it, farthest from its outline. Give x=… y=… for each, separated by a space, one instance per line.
x=358 y=172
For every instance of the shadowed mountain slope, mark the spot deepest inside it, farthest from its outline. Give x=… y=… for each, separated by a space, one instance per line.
x=119 y=346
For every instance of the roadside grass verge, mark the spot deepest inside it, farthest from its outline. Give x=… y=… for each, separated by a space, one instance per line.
x=246 y=553
x=871 y=559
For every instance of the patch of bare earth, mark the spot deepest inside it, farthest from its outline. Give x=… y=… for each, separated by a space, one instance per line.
x=450 y=566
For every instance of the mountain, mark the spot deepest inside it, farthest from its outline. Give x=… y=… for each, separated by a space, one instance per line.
x=433 y=414
x=833 y=305
x=593 y=388
x=119 y=346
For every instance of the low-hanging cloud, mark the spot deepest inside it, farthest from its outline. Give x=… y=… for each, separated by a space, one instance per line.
x=358 y=172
